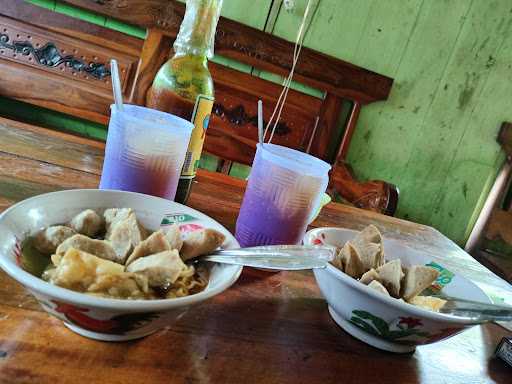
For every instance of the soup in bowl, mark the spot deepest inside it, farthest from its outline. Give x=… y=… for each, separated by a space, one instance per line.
x=108 y=314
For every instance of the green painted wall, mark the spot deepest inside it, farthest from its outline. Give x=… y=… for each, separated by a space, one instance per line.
x=435 y=136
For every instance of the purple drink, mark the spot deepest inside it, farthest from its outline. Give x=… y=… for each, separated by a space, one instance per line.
x=145 y=151
x=129 y=176
x=283 y=192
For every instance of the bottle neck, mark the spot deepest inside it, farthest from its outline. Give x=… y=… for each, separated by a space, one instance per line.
x=197 y=31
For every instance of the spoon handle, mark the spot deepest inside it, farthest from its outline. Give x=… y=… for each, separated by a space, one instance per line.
x=480 y=312
x=277 y=257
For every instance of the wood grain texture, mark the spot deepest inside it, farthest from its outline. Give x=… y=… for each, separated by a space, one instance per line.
x=57 y=148
x=255 y=48
x=278 y=320
x=233 y=134
x=44 y=18
x=61 y=87
x=155 y=52
x=236 y=329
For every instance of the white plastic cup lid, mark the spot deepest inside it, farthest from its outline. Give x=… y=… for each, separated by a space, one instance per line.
x=293 y=160
x=148 y=118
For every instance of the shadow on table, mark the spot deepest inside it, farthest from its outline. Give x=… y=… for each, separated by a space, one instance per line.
x=282 y=339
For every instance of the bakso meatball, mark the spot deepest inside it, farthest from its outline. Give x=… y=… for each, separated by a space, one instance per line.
x=87 y=223
x=50 y=238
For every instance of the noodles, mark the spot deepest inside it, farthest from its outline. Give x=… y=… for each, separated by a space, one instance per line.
x=189 y=282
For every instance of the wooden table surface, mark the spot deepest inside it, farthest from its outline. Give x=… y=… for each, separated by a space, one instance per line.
x=267 y=328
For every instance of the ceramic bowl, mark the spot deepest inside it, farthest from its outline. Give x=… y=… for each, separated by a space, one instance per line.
x=99 y=318
x=384 y=322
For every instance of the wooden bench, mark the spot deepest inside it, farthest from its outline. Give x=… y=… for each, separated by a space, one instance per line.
x=57 y=62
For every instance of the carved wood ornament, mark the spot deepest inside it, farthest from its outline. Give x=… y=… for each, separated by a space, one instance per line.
x=50 y=56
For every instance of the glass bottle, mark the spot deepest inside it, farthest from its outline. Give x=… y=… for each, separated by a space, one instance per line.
x=183 y=86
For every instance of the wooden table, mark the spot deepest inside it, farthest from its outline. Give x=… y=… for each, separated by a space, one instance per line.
x=268 y=328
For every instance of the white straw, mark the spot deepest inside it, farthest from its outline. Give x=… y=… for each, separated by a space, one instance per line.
x=288 y=80
x=260 y=121
x=313 y=134
x=116 y=85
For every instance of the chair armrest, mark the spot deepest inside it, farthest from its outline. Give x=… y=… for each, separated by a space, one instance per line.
x=374 y=195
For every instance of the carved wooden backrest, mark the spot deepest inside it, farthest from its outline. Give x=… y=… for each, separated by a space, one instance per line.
x=233 y=135
x=58 y=62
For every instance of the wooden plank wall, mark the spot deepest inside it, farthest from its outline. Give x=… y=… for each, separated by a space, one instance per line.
x=435 y=136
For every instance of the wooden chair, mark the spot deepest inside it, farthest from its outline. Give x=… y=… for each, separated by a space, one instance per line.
x=490 y=241
x=57 y=62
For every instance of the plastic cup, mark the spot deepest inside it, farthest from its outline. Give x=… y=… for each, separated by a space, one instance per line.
x=145 y=151
x=283 y=195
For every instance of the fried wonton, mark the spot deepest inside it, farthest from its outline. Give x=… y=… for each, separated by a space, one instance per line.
x=124 y=285
x=77 y=270
x=173 y=236
x=201 y=242
x=428 y=302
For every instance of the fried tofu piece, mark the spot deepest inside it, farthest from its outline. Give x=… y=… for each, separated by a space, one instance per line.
x=115 y=215
x=161 y=269
x=375 y=285
x=47 y=240
x=99 y=248
x=123 y=232
x=202 y=242
x=87 y=223
x=77 y=270
x=351 y=261
x=157 y=242
x=417 y=279
x=368 y=243
x=369 y=234
x=336 y=261
x=369 y=276
x=390 y=275
x=173 y=236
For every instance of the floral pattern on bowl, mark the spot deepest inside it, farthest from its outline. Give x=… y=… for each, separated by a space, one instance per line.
x=385 y=322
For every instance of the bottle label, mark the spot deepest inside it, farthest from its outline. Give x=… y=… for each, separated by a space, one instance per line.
x=200 y=119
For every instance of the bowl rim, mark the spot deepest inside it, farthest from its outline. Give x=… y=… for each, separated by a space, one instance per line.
x=396 y=303
x=39 y=285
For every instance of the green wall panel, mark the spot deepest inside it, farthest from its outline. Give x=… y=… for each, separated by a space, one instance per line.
x=435 y=136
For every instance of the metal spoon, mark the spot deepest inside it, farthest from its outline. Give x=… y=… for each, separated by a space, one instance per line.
x=277 y=257
x=474 y=310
